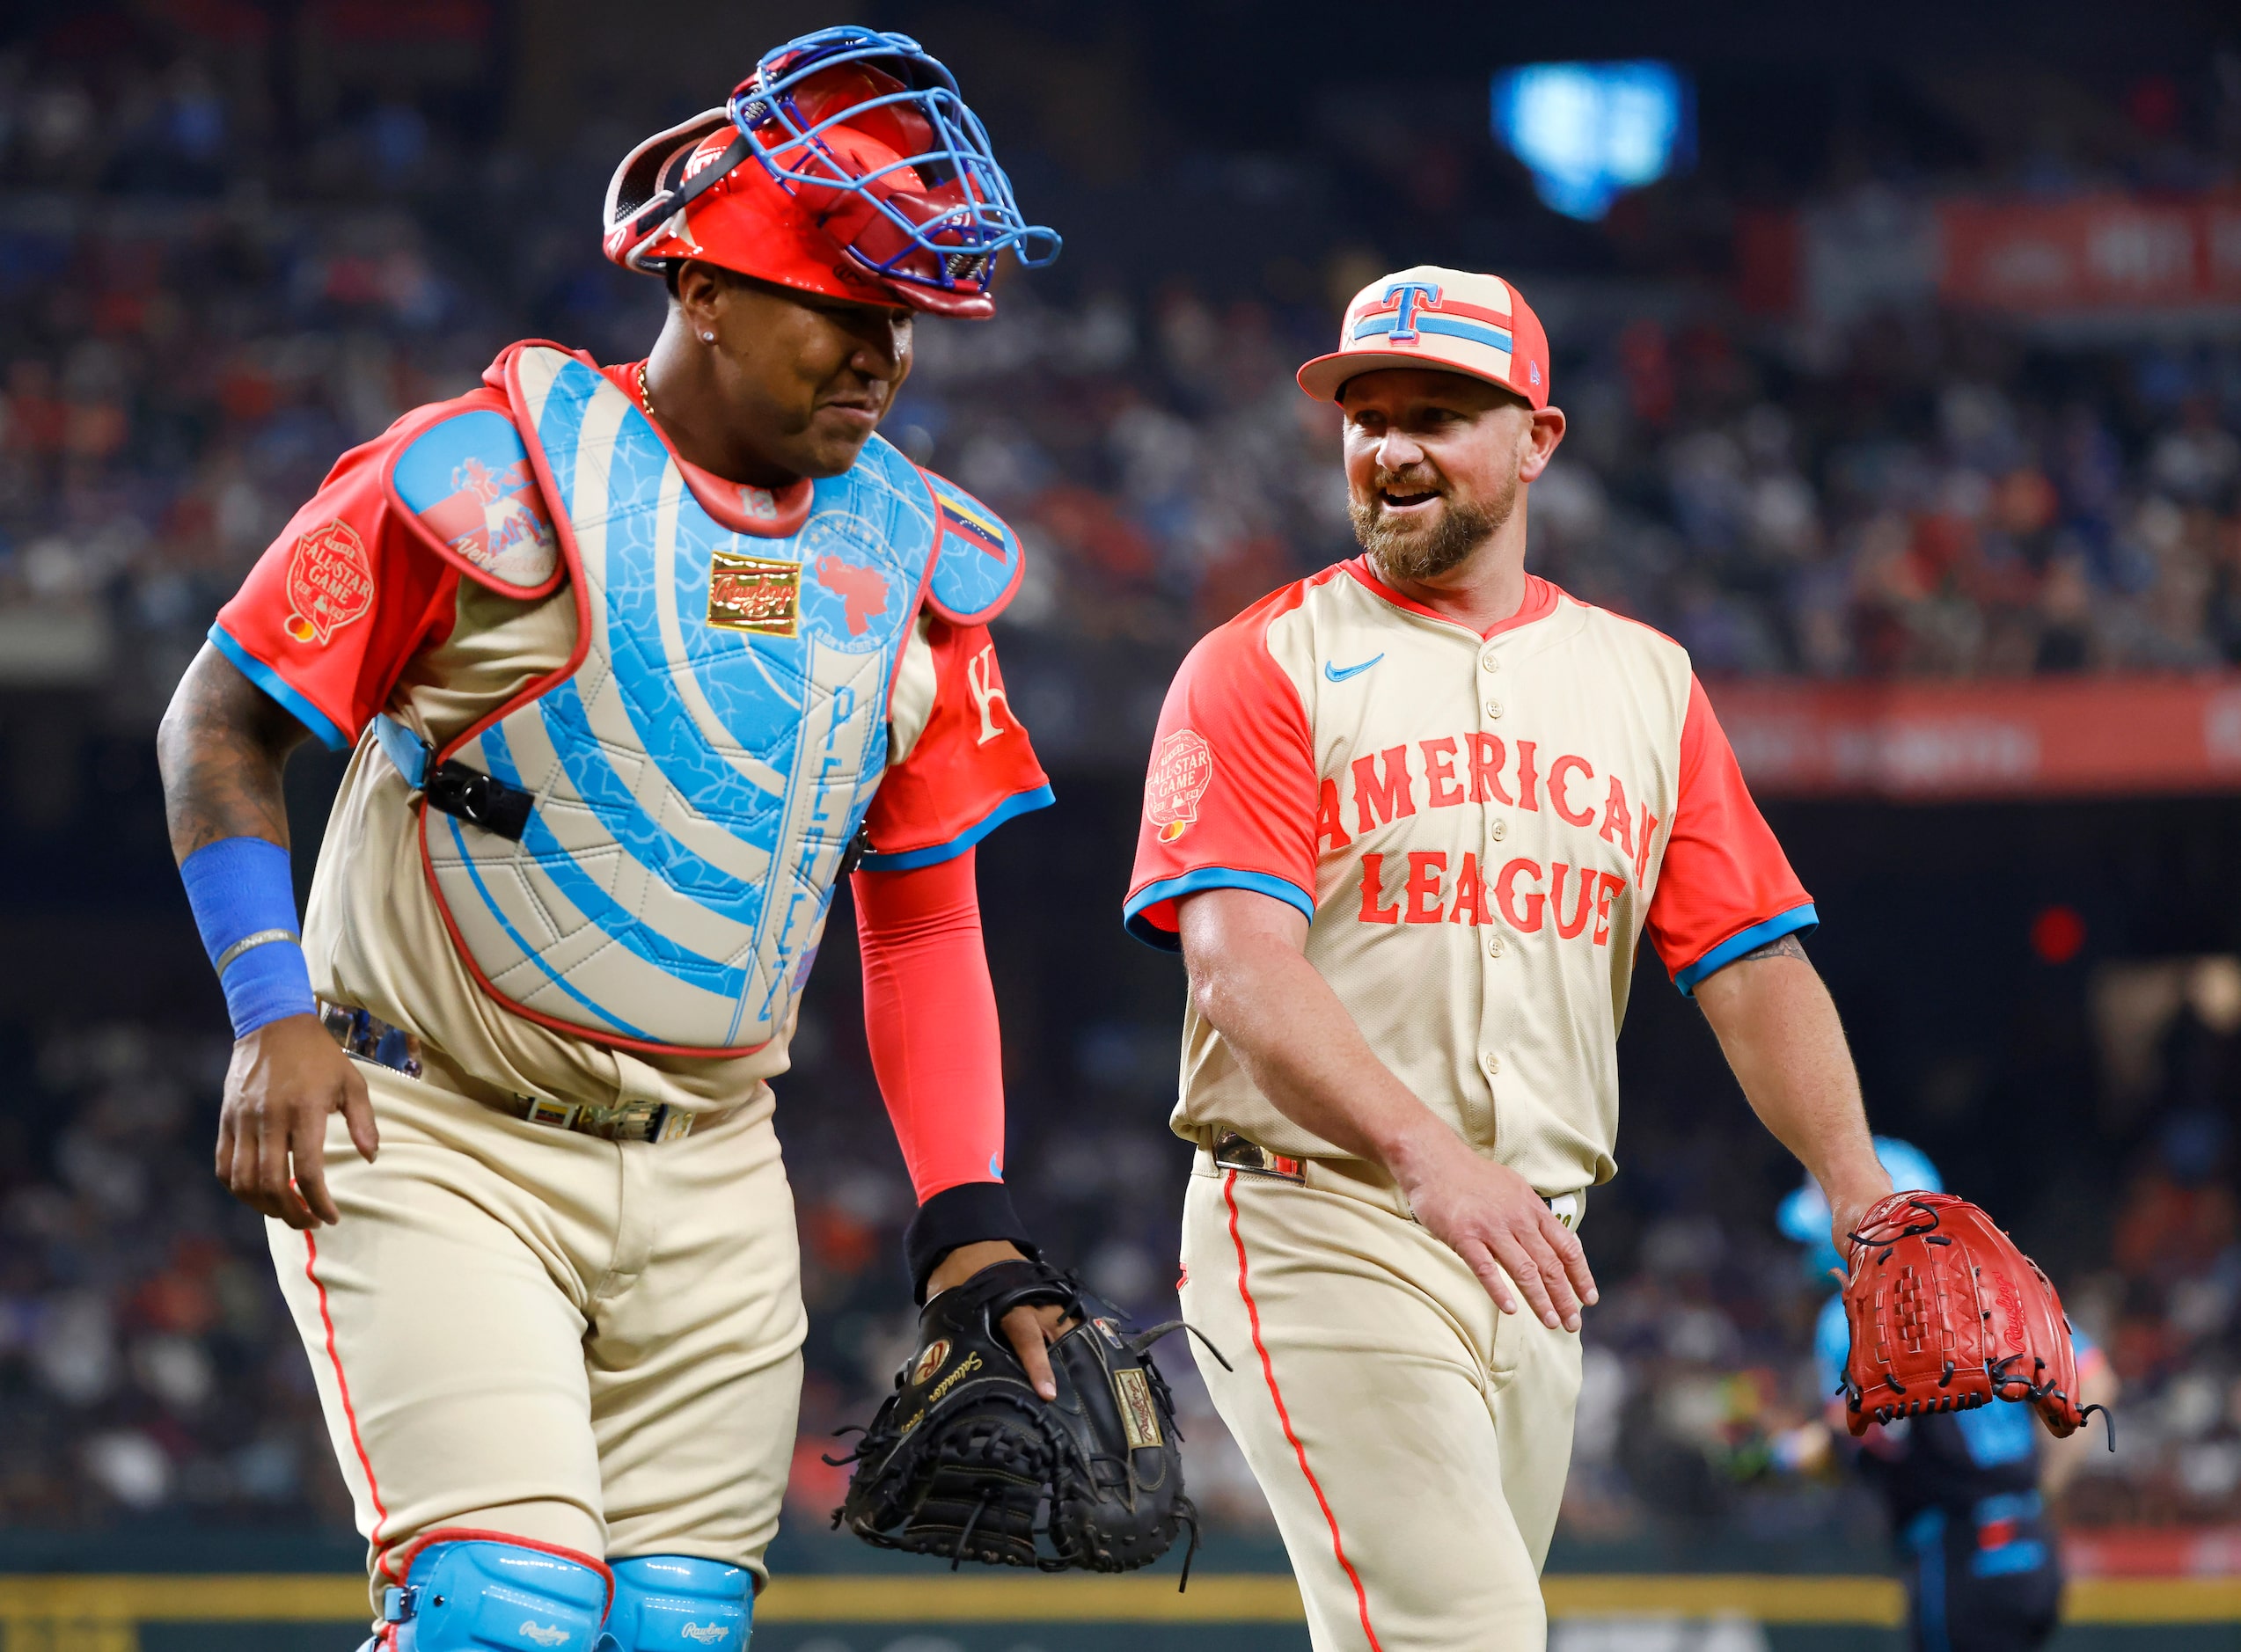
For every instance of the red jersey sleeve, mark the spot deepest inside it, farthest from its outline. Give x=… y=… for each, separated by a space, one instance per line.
x=328 y=616
x=972 y=769
x=1724 y=886
x=1231 y=801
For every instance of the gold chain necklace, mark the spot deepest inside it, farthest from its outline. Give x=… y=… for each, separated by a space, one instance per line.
x=645 y=397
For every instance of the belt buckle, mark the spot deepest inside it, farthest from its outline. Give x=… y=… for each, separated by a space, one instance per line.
x=1232 y=1151
x=363 y=1034
x=673 y=1125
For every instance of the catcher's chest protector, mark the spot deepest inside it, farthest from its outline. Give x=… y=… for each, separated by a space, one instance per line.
x=701 y=765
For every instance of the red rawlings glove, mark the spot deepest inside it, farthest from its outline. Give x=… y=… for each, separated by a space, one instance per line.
x=1946 y=1314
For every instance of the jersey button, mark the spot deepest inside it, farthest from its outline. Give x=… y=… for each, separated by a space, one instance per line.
x=1492 y=1062
x=1498 y=830
x=1489 y=661
x=1493 y=708
x=1493 y=945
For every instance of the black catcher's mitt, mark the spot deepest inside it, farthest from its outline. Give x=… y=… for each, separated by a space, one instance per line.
x=964 y=1454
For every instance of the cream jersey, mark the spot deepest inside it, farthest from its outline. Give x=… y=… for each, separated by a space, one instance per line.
x=1478 y=829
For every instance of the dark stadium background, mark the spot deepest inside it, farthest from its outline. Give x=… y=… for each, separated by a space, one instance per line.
x=236 y=237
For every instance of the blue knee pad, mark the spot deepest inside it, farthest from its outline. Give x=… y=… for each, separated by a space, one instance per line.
x=676 y=1602
x=482 y=1596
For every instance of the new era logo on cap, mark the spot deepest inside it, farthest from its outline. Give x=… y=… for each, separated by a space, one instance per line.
x=1451 y=320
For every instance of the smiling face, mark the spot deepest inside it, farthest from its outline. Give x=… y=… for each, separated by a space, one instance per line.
x=1435 y=463
x=802 y=380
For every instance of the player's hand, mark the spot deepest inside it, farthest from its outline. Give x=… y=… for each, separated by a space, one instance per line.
x=1848 y=1209
x=284 y=1079
x=1029 y=1330
x=1490 y=1217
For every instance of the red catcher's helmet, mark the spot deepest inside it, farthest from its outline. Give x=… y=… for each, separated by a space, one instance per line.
x=846 y=165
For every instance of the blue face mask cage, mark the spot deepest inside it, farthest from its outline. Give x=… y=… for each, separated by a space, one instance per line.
x=964 y=241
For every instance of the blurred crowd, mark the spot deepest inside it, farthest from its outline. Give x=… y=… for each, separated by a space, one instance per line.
x=189 y=335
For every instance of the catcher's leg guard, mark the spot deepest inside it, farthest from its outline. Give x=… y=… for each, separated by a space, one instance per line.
x=488 y=1594
x=677 y=1603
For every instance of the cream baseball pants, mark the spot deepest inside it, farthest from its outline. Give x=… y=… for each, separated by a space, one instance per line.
x=529 y=1333
x=1411 y=1438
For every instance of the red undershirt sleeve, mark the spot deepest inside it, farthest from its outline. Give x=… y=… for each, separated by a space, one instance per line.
x=930 y=1019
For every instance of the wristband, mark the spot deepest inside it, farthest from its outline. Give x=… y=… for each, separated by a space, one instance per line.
x=963 y=1215
x=243 y=899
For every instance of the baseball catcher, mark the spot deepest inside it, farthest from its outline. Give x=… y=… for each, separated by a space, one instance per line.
x=637 y=662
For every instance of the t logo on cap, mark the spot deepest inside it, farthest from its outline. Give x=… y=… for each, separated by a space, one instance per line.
x=1445 y=321
x=1404 y=327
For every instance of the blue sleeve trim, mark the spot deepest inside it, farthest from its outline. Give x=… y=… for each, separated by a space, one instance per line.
x=912 y=860
x=273 y=684
x=1789 y=922
x=1136 y=914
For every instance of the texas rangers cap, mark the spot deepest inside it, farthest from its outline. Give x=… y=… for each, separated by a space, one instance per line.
x=1448 y=319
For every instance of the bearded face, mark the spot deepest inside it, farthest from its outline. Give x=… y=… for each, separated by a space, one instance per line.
x=1414 y=528
x=1432 y=467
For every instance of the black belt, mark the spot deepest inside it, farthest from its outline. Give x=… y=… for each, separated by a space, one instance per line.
x=366 y=1036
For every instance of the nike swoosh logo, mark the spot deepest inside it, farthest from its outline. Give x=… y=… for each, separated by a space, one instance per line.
x=1338 y=675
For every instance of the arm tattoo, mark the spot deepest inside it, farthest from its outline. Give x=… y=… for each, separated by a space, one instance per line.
x=221 y=747
x=1781 y=946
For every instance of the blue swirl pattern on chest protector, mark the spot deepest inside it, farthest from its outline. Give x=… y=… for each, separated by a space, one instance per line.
x=595 y=902
x=673 y=730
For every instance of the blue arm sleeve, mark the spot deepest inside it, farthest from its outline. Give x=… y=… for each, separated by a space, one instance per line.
x=244 y=900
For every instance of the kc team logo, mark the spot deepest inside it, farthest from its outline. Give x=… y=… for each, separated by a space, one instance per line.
x=1182 y=769
x=330 y=582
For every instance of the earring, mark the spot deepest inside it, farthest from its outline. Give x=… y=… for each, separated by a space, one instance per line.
x=707 y=338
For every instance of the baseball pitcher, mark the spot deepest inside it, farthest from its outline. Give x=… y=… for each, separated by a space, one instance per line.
x=636 y=662
x=1406 y=821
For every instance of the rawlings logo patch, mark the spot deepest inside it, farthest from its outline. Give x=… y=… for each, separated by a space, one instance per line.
x=2011 y=1309
x=542 y=1634
x=930 y=1361
x=707 y=1634
x=754 y=594
x=330 y=582
x=1138 y=1415
x=1182 y=769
